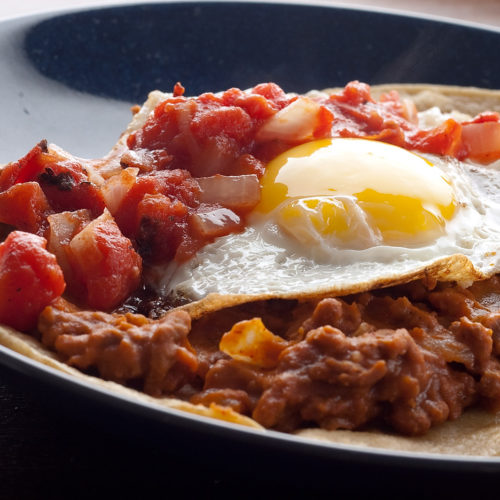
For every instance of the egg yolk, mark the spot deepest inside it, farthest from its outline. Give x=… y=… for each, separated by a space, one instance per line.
x=356 y=193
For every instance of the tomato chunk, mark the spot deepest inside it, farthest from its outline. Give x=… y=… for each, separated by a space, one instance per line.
x=23 y=170
x=63 y=179
x=445 y=139
x=206 y=135
x=25 y=207
x=106 y=267
x=30 y=279
x=162 y=225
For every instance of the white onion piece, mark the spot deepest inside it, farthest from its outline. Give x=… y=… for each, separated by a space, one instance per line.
x=236 y=192
x=410 y=111
x=294 y=123
x=116 y=188
x=84 y=247
x=482 y=140
x=218 y=222
x=62 y=227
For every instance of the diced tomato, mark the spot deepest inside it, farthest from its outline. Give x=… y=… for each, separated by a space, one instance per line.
x=23 y=170
x=228 y=121
x=273 y=93
x=62 y=178
x=486 y=116
x=391 y=135
x=162 y=225
x=168 y=120
x=356 y=114
x=106 y=267
x=397 y=106
x=176 y=184
x=25 y=207
x=206 y=135
x=178 y=90
x=255 y=105
x=125 y=215
x=324 y=123
x=28 y=168
x=354 y=93
x=446 y=139
x=248 y=164
x=30 y=279
x=73 y=197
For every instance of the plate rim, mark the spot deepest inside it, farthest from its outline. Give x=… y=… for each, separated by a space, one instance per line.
x=98 y=5
x=178 y=418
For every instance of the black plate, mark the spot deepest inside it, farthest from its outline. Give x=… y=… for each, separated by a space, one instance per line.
x=70 y=78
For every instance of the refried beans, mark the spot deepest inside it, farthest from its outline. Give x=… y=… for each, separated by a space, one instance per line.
x=406 y=358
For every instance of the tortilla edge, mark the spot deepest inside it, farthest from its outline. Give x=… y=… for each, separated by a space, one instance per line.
x=28 y=346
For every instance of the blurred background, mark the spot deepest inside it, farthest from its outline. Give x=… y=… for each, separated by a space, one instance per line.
x=478 y=11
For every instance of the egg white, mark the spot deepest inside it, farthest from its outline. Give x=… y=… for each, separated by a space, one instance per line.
x=264 y=261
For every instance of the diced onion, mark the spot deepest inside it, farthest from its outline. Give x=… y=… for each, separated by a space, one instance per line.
x=115 y=189
x=62 y=228
x=218 y=222
x=236 y=192
x=410 y=110
x=482 y=140
x=293 y=123
x=83 y=246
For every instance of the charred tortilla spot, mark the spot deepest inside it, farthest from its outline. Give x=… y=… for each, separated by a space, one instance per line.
x=63 y=181
x=43 y=146
x=147 y=230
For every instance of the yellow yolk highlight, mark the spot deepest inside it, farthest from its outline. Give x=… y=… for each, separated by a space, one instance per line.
x=356 y=193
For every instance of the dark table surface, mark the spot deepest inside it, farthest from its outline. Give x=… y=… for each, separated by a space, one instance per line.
x=55 y=444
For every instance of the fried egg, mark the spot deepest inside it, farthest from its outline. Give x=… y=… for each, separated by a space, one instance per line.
x=344 y=215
